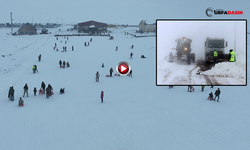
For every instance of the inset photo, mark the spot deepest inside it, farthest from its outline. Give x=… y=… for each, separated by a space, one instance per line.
x=201 y=52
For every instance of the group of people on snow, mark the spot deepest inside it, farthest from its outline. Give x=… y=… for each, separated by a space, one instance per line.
x=62 y=64
x=231 y=56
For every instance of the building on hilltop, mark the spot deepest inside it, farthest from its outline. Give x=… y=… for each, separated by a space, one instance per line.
x=144 y=27
x=92 y=27
x=27 y=29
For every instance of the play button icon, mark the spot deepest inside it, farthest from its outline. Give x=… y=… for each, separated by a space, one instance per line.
x=123 y=68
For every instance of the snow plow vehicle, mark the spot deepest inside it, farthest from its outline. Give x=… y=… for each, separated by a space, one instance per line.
x=218 y=44
x=183 y=50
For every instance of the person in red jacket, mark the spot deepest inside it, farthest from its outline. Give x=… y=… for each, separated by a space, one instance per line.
x=102 y=96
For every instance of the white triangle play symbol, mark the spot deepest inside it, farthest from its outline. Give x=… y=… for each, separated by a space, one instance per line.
x=123 y=68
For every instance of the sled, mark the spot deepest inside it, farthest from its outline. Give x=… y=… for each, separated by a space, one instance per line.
x=115 y=75
x=20 y=105
x=62 y=66
x=12 y=99
x=52 y=93
x=192 y=88
x=40 y=91
x=211 y=99
x=107 y=75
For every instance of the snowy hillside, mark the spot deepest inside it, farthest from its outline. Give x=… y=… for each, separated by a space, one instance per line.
x=136 y=114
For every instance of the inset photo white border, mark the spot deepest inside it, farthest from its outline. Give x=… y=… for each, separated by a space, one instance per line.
x=185 y=52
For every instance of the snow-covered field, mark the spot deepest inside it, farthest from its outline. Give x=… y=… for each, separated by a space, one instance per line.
x=136 y=114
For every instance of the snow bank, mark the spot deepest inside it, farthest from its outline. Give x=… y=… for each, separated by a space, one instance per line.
x=228 y=69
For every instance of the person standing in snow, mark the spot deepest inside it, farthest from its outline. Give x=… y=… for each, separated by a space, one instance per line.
x=11 y=93
x=102 y=95
x=132 y=46
x=202 y=88
x=217 y=94
x=215 y=56
x=97 y=75
x=50 y=89
x=35 y=68
x=63 y=64
x=47 y=92
x=116 y=48
x=231 y=56
x=111 y=71
x=72 y=48
x=43 y=87
x=60 y=63
x=20 y=102
x=130 y=73
x=131 y=55
x=34 y=91
x=189 y=88
x=91 y=40
x=39 y=57
x=25 y=90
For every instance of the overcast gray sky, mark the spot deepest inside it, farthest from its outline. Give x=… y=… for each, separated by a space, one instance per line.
x=112 y=11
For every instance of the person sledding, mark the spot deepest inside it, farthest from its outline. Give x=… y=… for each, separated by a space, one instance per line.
x=211 y=96
x=111 y=38
x=97 y=75
x=62 y=90
x=67 y=64
x=20 y=102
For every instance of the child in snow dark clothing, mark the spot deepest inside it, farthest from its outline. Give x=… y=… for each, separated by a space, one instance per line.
x=60 y=63
x=11 y=93
x=39 y=57
x=25 y=90
x=64 y=64
x=211 y=96
x=35 y=91
x=62 y=90
x=102 y=95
